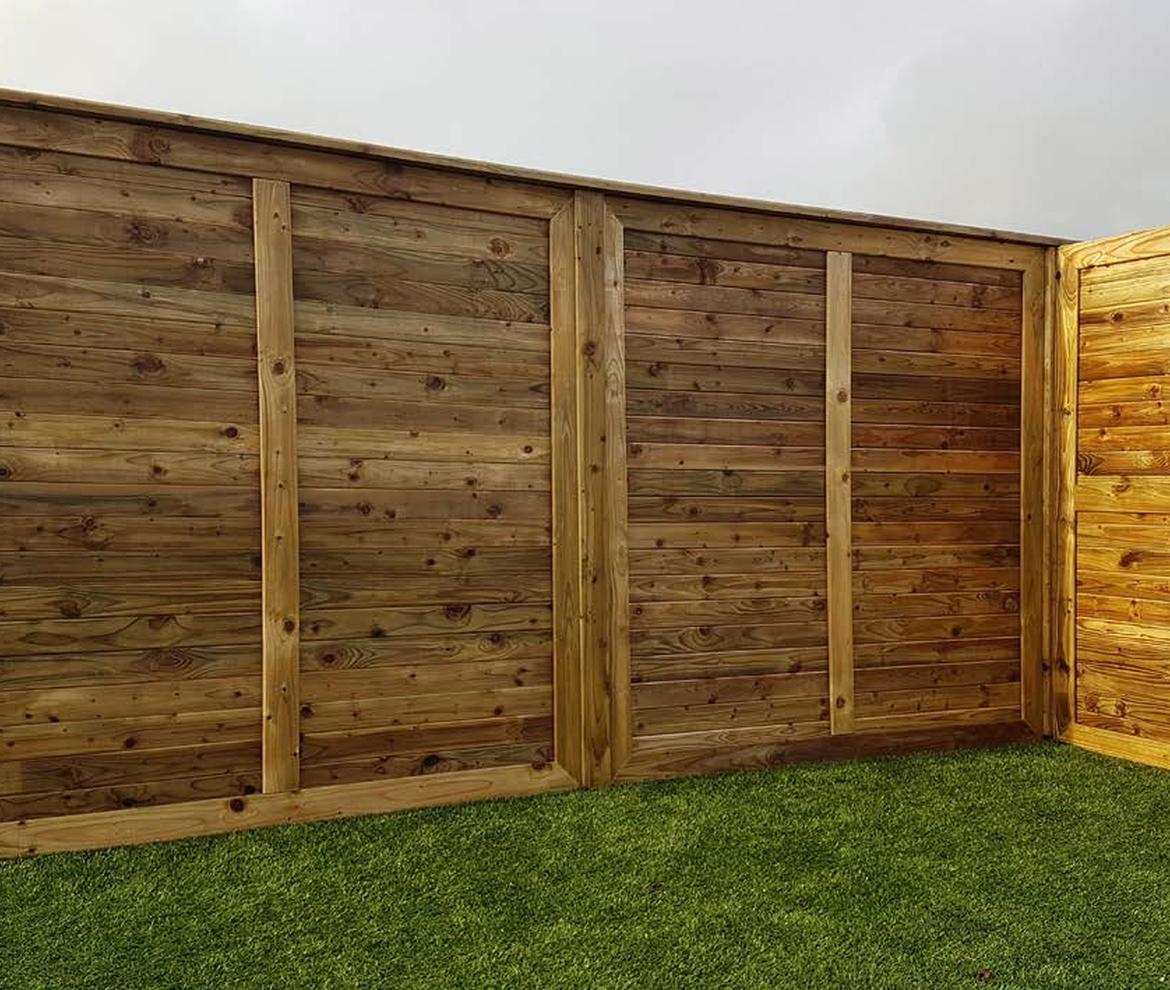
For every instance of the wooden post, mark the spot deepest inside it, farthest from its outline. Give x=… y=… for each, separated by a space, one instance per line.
x=568 y=689
x=839 y=485
x=272 y=218
x=1064 y=387
x=604 y=538
x=1033 y=414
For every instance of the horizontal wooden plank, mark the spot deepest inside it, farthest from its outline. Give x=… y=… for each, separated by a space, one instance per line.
x=346 y=592
x=690 y=324
x=935 y=603
x=910 y=581
x=670 y=376
x=733 y=663
x=332 y=716
x=930 y=653
x=919 y=676
x=935 y=366
x=903 y=388
x=107 y=433
x=441 y=647
x=389 y=766
x=718 y=587
x=736 y=560
x=668 y=535
x=925 y=340
x=53 y=704
x=365 y=412
x=383 y=290
x=887 y=435
x=719 y=638
x=74 y=635
x=926 y=412
x=945 y=461
x=405 y=621
x=79 y=772
x=723 y=457
x=126 y=367
x=893 y=630
x=727 y=250
x=329 y=748
x=78 y=295
x=409 y=386
x=314 y=350
x=736 y=611
x=878 y=558
x=62 y=532
x=327 y=532
x=934 y=533
x=725 y=482
x=683 y=350
x=724 y=690
x=649 y=266
x=328 y=508
x=387 y=221
x=20 y=327
x=921 y=509
x=317 y=323
x=772 y=433
x=100 y=467
x=702 y=716
x=125 y=263
x=369 y=474
x=140 y=732
x=805 y=304
x=401 y=680
x=721 y=405
x=668 y=508
x=956 y=698
x=936 y=485
x=210 y=593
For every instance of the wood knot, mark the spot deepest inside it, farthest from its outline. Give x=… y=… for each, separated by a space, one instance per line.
x=148 y=364
x=289 y=624
x=237 y=804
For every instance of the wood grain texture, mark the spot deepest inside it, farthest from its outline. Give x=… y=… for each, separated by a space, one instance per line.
x=551 y=495
x=278 y=484
x=604 y=532
x=1110 y=693
x=568 y=650
x=839 y=485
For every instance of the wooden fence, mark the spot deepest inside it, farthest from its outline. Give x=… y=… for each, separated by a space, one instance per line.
x=337 y=480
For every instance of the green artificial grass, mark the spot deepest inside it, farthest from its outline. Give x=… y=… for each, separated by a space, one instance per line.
x=1028 y=867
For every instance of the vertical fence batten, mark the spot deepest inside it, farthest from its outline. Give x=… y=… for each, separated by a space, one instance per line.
x=602 y=466
x=278 y=485
x=839 y=486
x=568 y=687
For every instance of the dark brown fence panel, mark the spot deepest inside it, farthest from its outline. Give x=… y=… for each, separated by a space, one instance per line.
x=129 y=570
x=725 y=357
x=560 y=469
x=423 y=357
x=936 y=493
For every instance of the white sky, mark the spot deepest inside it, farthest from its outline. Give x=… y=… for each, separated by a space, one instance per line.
x=1050 y=116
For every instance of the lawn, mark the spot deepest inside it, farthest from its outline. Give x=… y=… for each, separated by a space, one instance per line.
x=1029 y=867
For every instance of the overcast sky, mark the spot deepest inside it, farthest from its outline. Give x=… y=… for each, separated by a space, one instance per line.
x=1049 y=116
